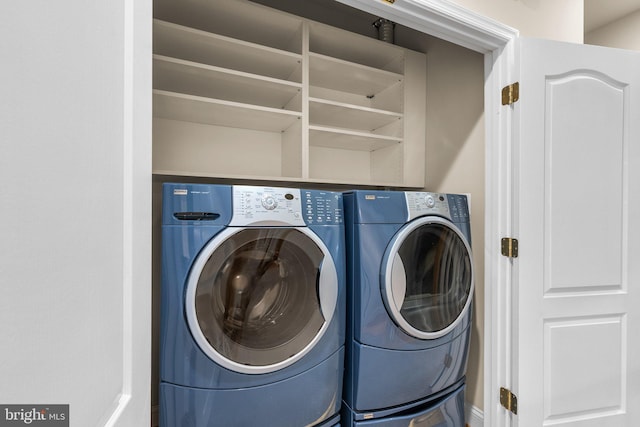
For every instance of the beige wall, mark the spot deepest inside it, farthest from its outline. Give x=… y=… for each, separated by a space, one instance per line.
x=624 y=33
x=547 y=19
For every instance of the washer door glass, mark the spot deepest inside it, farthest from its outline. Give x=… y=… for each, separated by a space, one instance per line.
x=256 y=297
x=428 y=281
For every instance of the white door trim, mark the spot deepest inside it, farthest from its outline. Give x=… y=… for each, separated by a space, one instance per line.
x=444 y=20
x=463 y=27
x=132 y=405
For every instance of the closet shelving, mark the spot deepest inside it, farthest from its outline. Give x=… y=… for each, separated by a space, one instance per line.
x=242 y=90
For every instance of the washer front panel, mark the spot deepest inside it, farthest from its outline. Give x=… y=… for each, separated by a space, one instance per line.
x=259 y=299
x=428 y=277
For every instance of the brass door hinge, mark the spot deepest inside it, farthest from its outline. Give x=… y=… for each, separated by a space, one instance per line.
x=511 y=93
x=509 y=247
x=508 y=400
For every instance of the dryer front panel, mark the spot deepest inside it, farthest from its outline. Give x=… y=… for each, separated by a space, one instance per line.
x=427 y=276
x=259 y=299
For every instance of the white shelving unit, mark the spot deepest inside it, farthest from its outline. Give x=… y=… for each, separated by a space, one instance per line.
x=245 y=91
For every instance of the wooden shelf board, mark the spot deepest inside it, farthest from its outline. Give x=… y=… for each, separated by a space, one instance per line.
x=192 y=78
x=260 y=24
x=196 y=174
x=338 y=114
x=173 y=40
x=291 y=179
x=321 y=136
x=354 y=47
x=199 y=109
x=350 y=77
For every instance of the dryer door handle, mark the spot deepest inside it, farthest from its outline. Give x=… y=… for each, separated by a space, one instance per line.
x=398 y=282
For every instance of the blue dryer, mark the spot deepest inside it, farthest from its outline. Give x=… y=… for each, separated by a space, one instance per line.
x=410 y=289
x=252 y=306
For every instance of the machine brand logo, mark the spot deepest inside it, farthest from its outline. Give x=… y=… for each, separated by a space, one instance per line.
x=180 y=192
x=369 y=197
x=36 y=415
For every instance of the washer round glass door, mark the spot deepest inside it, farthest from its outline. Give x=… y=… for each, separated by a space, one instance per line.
x=428 y=277
x=259 y=299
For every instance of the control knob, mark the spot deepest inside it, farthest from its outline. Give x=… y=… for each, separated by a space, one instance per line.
x=430 y=201
x=269 y=202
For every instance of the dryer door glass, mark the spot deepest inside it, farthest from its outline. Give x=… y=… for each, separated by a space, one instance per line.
x=431 y=279
x=257 y=300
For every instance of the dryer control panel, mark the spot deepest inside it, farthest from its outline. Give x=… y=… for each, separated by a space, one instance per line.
x=275 y=206
x=451 y=206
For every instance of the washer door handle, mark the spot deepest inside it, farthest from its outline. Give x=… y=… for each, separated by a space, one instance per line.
x=327 y=288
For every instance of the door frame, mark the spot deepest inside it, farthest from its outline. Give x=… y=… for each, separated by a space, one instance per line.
x=495 y=41
x=446 y=21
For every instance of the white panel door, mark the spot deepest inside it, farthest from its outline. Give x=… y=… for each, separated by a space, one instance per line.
x=576 y=330
x=75 y=191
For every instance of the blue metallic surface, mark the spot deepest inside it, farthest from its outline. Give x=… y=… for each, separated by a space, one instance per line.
x=446 y=411
x=193 y=387
x=287 y=403
x=385 y=367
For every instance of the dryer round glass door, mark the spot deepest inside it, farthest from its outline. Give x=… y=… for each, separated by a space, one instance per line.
x=258 y=299
x=428 y=277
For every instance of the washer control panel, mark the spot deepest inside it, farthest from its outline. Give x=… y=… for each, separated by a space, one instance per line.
x=322 y=207
x=277 y=206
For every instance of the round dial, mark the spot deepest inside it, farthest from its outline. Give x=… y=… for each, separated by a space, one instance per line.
x=430 y=201
x=269 y=202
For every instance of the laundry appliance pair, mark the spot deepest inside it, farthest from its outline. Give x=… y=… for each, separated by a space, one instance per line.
x=252 y=306
x=254 y=298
